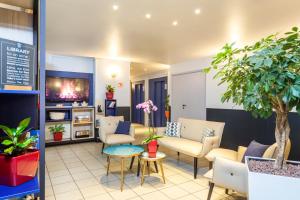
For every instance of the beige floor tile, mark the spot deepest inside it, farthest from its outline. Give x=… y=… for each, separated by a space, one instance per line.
x=189 y=197
x=105 y=196
x=113 y=186
x=177 y=179
x=174 y=192
x=62 y=188
x=74 y=164
x=92 y=191
x=49 y=191
x=144 y=189
x=50 y=198
x=155 y=196
x=82 y=175
x=76 y=170
x=191 y=187
x=203 y=195
x=72 y=195
x=87 y=183
x=61 y=179
x=124 y=195
x=59 y=173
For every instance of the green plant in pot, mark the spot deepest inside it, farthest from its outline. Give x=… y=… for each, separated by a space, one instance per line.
x=265 y=79
x=57 y=130
x=18 y=158
x=110 y=92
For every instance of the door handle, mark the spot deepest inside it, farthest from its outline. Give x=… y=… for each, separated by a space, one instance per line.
x=183 y=106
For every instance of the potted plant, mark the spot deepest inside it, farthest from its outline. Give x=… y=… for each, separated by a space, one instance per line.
x=265 y=79
x=149 y=108
x=57 y=130
x=110 y=92
x=18 y=158
x=167 y=107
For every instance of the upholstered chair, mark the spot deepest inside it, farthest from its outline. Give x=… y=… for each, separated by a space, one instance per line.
x=108 y=126
x=227 y=174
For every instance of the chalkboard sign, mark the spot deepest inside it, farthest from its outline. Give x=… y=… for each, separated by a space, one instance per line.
x=17 y=65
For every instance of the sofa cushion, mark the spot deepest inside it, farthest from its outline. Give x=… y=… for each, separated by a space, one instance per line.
x=255 y=149
x=123 y=127
x=185 y=146
x=109 y=124
x=207 y=132
x=173 y=129
x=118 y=139
x=223 y=153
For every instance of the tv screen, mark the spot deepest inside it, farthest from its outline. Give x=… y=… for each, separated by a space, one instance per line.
x=60 y=89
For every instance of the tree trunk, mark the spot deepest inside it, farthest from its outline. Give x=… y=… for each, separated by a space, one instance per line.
x=282 y=133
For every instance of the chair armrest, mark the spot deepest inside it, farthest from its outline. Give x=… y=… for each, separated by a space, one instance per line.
x=103 y=134
x=132 y=131
x=161 y=131
x=230 y=174
x=210 y=143
x=240 y=153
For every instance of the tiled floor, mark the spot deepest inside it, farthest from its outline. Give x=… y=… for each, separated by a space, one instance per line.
x=78 y=172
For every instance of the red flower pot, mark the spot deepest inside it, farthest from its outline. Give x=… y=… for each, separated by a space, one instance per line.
x=58 y=136
x=17 y=170
x=109 y=95
x=152 y=149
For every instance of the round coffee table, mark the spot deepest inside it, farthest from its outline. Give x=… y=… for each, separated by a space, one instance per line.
x=145 y=159
x=122 y=152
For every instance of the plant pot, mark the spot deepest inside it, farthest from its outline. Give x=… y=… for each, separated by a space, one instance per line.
x=17 y=170
x=152 y=148
x=58 y=136
x=109 y=95
x=267 y=186
x=167 y=114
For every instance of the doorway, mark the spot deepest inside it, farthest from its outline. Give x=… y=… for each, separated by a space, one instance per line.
x=138 y=96
x=188 y=95
x=158 y=91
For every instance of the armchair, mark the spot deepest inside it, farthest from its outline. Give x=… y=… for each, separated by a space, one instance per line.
x=108 y=126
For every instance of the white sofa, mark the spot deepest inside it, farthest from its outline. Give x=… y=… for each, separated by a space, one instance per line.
x=108 y=126
x=189 y=142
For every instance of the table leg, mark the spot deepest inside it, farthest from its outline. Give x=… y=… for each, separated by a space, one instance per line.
x=122 y=173
x=155 y=165
x=148 y=166
x=108 y=165
x=131 y=163
x=138 y=167
x=162 y=170
x=143 y=172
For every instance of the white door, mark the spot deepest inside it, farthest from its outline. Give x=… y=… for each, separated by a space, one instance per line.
x=188 y=96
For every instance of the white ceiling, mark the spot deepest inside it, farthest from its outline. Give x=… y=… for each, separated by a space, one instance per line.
x=145 y=69
x=92 y=28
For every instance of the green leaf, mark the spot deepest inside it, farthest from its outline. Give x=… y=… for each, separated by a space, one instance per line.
x=22 y=126
x=7 y=130
x=7 y=142
x=296 y=90
x=207 y=70
x=9 y=150
x=295 y=29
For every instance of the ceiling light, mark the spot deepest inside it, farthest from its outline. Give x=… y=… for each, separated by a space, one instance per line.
x=197 y=11
x=175 y=23
x=148 y=16
x=115 y=7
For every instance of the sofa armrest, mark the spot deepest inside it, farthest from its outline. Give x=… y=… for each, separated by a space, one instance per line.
x=209 y=144
x=103 y=134
x=161 y=131
x=132 y=131
x=240 y=153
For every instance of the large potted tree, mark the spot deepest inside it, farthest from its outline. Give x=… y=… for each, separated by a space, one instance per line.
x=18 y=156
x=265 y=78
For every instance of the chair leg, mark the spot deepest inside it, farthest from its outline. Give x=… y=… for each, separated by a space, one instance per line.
x=211 y=187
x=226 y=191
x=138 y=168
x=103 y=145
x=155 y=165
x=210 y=165
x=195 y=167
x=131 y=163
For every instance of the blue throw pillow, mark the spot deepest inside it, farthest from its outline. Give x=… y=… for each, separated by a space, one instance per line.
x=255 y=149
x=123 y=128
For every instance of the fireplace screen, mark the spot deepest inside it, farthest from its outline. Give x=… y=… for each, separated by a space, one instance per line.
x=61 y=90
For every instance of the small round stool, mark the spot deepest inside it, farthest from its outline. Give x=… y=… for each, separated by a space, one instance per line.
x=158 y=159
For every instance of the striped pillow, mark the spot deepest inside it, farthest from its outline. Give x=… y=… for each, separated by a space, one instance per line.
x=207 y=132
x=173 y=129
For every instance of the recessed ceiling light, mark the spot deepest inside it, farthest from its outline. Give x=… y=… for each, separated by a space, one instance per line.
x=115 y=7
x=175 y=23
x=148 y=16
x=197 y=11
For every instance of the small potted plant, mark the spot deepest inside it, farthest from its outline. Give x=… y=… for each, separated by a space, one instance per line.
x=18 y=157
x=167 y=107
x=57 y=130
x=110 y=92
x=149 y=108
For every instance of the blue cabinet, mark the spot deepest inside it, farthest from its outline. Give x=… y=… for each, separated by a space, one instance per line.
x=110 y=107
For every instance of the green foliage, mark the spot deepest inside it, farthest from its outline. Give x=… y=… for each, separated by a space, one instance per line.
x=110 y=88
x=263 y=77
x=16 y=141
x=151 y=138
x=57 y=128
x=167 y=103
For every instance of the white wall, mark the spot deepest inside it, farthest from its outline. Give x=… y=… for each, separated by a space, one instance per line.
x=70 y=63
x=213 y=91
x=103 y=70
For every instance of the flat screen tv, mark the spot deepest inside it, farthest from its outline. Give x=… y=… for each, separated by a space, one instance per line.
x=66 y=90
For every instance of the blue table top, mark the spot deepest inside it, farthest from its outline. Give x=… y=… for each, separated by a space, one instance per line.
x=123 y=150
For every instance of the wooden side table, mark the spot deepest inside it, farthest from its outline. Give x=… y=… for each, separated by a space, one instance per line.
x=145 y=159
